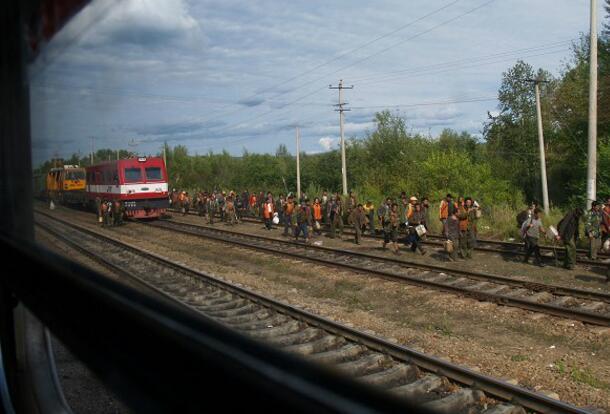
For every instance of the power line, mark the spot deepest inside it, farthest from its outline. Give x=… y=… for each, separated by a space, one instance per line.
x=469 y=11
x=230 y=143
x=472 y=10
x=363 y=45
x=330 y=61
x=432 y=103
x=465 y=61
x=449 y=69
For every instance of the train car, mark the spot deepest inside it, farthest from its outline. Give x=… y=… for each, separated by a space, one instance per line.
x=139 y=183
x=39 y=186
x=66 y=184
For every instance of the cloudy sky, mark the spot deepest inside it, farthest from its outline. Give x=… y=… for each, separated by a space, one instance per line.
x=235 y=75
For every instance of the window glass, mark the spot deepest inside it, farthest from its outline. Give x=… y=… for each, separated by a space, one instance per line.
x=153 y=173
x=133 y=174
x=75 y=175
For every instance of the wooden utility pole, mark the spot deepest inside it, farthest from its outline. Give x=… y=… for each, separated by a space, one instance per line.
x=592 y=153
x=91 y=155
x=545 y=187
x=341 y=109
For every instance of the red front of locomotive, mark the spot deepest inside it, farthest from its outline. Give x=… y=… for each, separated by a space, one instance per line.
x=139 y=183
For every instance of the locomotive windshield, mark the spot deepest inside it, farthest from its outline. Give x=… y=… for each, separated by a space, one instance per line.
x=133 y=174
x=75 y=175
x=153 y=173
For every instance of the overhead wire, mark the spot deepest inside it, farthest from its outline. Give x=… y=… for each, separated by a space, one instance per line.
x=402 y=41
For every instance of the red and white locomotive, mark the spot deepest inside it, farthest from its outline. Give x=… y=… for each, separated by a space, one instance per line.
x=139 y=183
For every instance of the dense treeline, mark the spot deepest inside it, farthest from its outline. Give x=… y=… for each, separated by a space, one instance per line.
x=387 y=161
x=500 y=167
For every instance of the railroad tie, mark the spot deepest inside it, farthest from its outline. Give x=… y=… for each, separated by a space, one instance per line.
x=335 y=356
x=465 y=400
x=424 y=389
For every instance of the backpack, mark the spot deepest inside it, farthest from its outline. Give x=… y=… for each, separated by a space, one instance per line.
x=521 y=217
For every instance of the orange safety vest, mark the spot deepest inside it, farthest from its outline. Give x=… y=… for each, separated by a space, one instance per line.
x=410 y=211
x=444 y=209
x=289 y=208
x=463 y=221
x=317 y=211
x=268 y=211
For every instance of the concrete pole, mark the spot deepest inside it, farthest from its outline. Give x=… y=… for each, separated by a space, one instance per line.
x=545 y=188
x=343 y=163
x=298 y=137
x=592 y=153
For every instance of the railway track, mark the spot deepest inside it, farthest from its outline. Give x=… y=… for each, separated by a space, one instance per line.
x=549 y=253
x=403 y=372
x=576 y=304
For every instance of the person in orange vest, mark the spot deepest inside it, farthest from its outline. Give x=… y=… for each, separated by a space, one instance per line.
x=317 y=216
x=411 y=208
x=268 y=210
x=447 y=208
x=252 y=203
x=184 y=202
x=468 y=228
x=288 y=212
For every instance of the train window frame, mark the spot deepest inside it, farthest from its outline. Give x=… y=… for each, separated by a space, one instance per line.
x=75 y=175
x=160 y=176
x=129 y=179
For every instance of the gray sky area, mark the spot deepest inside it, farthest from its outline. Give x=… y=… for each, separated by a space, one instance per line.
x=214 y=75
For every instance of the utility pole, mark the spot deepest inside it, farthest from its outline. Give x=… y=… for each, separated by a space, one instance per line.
x=164 y=155
x=298 y=137
x=592 y=153
x=545 y=187
x=117 y=155
x=341 y=109
x=91 y=155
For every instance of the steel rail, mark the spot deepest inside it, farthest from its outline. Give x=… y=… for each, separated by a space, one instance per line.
x=510 y=248
x=575 y=314
x=496 y=388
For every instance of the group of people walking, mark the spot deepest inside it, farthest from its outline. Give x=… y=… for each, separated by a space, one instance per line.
x=405 y=219
x=596 y=231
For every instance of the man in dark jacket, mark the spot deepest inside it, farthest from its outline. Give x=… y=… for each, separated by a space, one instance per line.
x=336 y=218
x=303 y=221
x=568 y=234
x=358 y=219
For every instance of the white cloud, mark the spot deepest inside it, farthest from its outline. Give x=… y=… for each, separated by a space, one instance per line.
x=328 y=142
